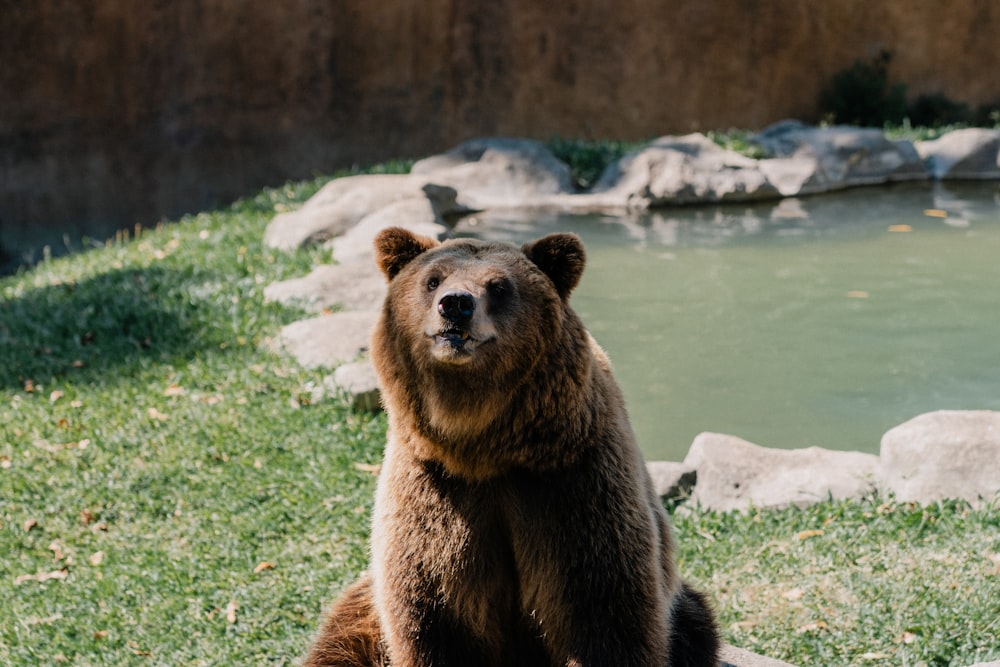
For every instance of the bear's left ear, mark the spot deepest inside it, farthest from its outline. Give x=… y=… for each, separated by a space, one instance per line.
x=561 y=257
x=396 y=247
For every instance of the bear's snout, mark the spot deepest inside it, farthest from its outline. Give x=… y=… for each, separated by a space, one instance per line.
x=457 y=306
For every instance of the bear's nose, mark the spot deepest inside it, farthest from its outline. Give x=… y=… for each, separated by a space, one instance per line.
x=456 y=305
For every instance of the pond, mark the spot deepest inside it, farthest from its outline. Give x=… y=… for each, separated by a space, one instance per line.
x=817 y=321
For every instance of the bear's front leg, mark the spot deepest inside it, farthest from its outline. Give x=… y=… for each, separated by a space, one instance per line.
x=591 y=572
x=443 y=580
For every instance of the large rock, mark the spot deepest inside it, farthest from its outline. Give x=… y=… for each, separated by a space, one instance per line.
x=736 y=474
x=419 y=215
x=730 y=656
x=684 y=170
x=944 y=454
x=358 y=383
x=498 y=172
x=328 y=340
x=838 y=157
x=672 y=480
x=343 y=202
x=972 y=153
x=355 y=286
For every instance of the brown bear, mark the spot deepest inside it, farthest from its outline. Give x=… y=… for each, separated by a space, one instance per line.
x=515 y=523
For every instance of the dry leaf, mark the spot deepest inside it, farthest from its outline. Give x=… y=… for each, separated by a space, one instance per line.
x=55 y=396
x=263 y=566
x=857 y=294
x=935 y=213
x=96 y=558
x=156 y=414
x=793 y=594
x=174 y=390
x=29 y=524
x=368 y=467
x=41 y=577
x=811 y=627
x=806 y=534
x=101 y=634
x=231 y=610
x=874 y=655
x=900 y=228
x=5 y=462
x=57 y=552
x=906 y=638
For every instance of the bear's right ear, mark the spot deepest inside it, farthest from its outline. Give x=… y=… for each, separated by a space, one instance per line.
x=561 y=257
x=396 y=247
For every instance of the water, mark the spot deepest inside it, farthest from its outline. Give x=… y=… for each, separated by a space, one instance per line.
x=822 y=321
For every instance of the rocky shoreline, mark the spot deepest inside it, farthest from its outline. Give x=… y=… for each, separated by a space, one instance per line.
x=945 y=454
x=948 y=454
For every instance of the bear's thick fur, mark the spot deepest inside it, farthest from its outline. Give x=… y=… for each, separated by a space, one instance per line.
x=515 y=523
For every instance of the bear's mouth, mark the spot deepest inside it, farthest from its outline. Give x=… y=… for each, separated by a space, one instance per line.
x=455 y=338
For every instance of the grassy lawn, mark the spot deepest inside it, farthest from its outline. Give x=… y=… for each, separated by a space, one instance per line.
x=174 y=493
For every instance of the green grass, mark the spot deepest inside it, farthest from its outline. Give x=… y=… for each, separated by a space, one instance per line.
x=172 y=492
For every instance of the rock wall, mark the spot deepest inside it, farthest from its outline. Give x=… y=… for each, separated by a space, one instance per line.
x=116 y=112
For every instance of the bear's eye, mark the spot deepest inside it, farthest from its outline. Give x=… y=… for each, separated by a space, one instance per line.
x=432 y=284
x=497 y=288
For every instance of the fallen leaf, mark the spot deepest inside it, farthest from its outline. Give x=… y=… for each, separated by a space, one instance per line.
x=174 y=390
x=857 y=294
x=41 y=577
x=96 y=558
x=55 y=396
x=263 y=566
x=900 y=228
x=5 y=462
x=156 y=414
x=368 y=467
x=906 y=637
x=874 y=655
x=811 y=627
x=935 y=213
x=57 y=552
x=231 y=610
x=806 y=534
x=101 y=634
x=29 y=524
x=76 y=404
x=793 y=594
x=29 y=386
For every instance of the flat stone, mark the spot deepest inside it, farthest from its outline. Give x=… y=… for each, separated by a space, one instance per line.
x=672 y=480
x=418 y=214
x=944 y=454
x=359 y=383
x=971 y=153
x=730 y=656
x=736 y=474
x=498 y=172
x=343 y=202
x=684 y=170
x=328 y=340
x=355 y=286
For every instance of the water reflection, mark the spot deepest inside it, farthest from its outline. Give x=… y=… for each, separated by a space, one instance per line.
x=818 y=321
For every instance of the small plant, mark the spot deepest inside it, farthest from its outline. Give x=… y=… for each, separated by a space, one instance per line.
x=587 y=160
x=862 y=95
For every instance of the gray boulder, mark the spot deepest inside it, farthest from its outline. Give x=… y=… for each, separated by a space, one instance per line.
x=328 y=340
x=683 y=170
x=736 y=474
x=359 y=383
x=343 y=202
x=355 y=286
x=806 y=159
x=672 y=480
x=944 y=454
x=497 y=172
x=419 y=215
x=972 y=153
x=730 y=656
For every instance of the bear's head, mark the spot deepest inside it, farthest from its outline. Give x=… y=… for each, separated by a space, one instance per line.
x=461 y=298
x=476 y=341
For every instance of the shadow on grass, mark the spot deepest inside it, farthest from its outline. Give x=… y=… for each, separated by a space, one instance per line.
x=88 y=331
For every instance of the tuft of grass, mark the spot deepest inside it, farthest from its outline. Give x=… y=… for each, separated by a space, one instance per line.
x=173 y=492
x=587 y=160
